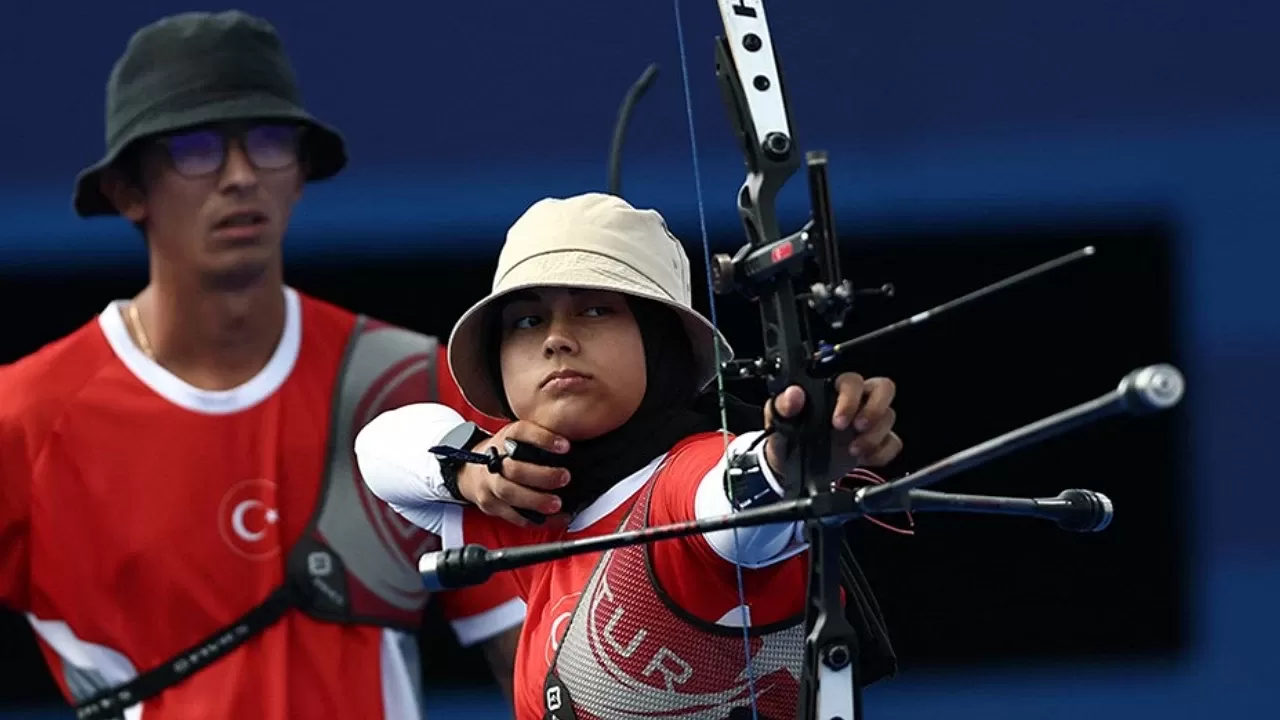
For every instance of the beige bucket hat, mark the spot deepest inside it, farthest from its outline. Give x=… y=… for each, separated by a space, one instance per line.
x=591 y=241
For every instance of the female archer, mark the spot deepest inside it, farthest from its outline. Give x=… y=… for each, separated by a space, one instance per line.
x=596 y=354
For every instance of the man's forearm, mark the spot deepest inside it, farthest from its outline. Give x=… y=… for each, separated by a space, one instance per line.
x=500 y=651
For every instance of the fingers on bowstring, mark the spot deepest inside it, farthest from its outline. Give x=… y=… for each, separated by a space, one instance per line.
x=538 y=436
x=532 y=457
x=516 y=494
x=489 y=502
x=502 y=498
x=532 y=475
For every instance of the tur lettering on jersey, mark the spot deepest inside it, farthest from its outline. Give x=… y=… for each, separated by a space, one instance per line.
x=628 y=653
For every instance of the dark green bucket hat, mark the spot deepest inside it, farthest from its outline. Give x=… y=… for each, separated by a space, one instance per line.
x=197 y=68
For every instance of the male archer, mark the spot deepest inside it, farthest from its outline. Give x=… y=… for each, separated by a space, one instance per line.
x=181 y=519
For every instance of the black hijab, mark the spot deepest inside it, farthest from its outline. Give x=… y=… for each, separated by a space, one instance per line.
x=673 y=408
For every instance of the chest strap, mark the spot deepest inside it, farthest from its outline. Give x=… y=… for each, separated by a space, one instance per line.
x=316 y=578
x=311 y=573
x=110 y=704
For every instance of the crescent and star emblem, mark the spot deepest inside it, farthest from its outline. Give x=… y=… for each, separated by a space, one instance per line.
x=237 y=520
x=249 y=520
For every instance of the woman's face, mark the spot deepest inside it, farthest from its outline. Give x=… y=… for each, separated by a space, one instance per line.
x=572 y=360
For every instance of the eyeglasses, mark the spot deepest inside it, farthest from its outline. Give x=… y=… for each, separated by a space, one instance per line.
x=198 y=153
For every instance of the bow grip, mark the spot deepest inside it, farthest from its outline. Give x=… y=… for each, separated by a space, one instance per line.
x=811 y=446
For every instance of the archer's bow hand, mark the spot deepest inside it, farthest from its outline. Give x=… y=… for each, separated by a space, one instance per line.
x=863 y=421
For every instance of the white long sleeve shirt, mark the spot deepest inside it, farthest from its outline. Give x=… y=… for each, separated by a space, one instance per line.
x=392 y=453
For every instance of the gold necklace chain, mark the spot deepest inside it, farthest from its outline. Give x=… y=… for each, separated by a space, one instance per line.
x=140 y=332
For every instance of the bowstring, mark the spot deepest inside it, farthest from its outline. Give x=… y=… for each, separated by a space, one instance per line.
x=720 y=392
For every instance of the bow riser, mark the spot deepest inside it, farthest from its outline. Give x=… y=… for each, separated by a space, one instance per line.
x=767 y=269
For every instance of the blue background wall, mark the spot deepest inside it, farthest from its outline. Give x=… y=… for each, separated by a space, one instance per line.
x=984 y=112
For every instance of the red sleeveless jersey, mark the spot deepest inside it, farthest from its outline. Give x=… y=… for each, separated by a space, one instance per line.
x=139 y=514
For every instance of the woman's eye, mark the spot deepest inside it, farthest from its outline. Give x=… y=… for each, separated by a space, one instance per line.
x=524 y=322
x=598 y=311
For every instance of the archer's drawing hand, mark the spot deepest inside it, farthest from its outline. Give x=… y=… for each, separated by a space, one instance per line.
x=521 y=484
x=863 y=404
